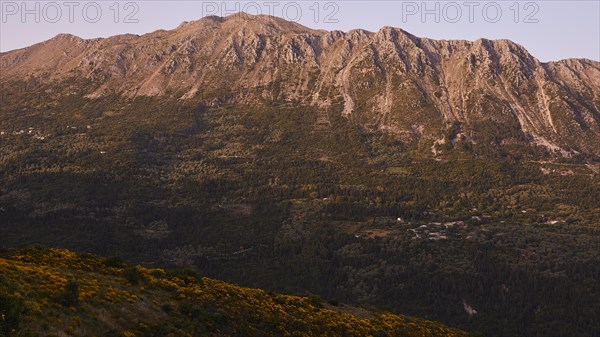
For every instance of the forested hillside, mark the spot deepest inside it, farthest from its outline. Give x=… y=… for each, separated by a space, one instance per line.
x=268 y=197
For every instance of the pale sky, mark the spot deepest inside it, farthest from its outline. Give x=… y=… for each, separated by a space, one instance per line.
x=550 y=30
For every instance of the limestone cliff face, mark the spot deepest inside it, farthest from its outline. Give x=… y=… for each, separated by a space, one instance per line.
x=388 y=80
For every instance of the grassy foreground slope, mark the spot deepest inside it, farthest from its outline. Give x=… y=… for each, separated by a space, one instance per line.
x=60 y=293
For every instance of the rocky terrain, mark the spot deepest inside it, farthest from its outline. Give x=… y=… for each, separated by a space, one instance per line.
x=416 y=88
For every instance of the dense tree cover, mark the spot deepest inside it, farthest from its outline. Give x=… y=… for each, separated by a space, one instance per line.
x=298 y=200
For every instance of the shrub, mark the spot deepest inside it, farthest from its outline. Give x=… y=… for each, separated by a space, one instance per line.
x=334 y=302
x=12 y=310
x=380 y=333
x=167 y=308
x=191 y=310
x=184 y=274
x=132 y=275
x=315 y=301
x=70 y=296
x=114 y=261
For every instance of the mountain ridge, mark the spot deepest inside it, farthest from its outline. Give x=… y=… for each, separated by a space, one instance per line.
x=386 y=80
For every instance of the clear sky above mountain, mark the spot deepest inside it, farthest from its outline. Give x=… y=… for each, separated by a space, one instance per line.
x=550 y=30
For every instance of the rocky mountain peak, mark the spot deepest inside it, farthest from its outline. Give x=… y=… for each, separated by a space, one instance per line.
x=389 y=80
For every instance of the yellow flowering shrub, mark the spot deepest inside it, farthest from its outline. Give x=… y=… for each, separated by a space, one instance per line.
x=186 y=305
